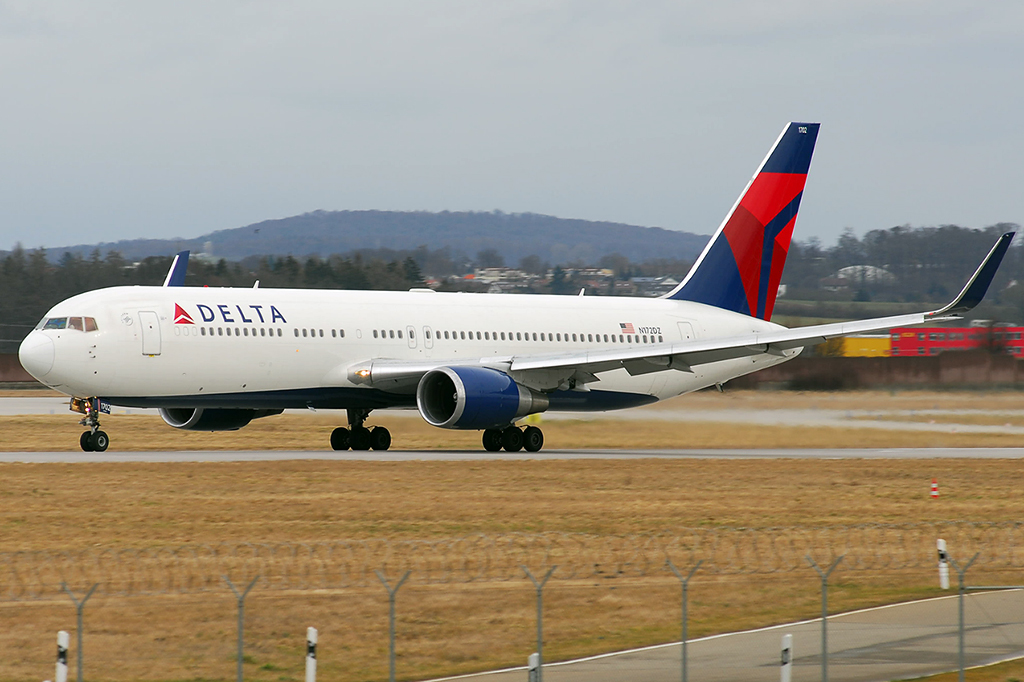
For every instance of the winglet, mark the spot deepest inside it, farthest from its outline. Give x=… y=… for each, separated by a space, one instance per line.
x=979 y=282
x=176 y=275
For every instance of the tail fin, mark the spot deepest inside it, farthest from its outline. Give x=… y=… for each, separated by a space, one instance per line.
x=741 y=267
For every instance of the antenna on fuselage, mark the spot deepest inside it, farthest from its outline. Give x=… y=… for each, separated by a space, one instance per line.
x=256 y=285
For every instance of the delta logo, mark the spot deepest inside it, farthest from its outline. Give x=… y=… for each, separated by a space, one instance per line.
x=261 y=314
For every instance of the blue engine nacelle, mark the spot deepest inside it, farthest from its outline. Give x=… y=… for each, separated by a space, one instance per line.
x=474 y=398
x=206 y=419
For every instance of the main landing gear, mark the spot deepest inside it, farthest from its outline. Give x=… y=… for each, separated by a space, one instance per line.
x=92 y=440
x=514 y=439
x=358 y=437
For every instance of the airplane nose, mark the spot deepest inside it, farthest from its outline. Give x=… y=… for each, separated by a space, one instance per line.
x=36 y=354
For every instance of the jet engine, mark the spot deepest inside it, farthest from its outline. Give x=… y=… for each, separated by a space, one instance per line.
x=474 y=398
x=205 y=419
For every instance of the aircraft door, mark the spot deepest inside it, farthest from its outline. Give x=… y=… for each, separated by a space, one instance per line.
x=428 y=337
x=410 y=331
x=150 y=322
x=685 y=331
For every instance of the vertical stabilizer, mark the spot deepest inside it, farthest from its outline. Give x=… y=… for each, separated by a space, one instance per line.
x=741 y=267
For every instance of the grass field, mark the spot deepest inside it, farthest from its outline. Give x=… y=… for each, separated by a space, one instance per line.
x=451 y=628
x=446 y=629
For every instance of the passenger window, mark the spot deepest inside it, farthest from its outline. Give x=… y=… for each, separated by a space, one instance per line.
x=463 y=335
x=279 y=332
x=446 y=335
x=478 y=336
x=590 y=338
x=342 y=333
x=558 y=336
x=412 y=334
x=246 y=330
x=573 y=337
x=535 y=336
x=263 y=331
x=220 y=331
x=487 y=336
x=519 y=336
x=503 y=336
x=304 y=333
x=622 y=339
x=374 y=333
x=202 y=330
x=661 y=339
x=399 y=333
x=334 y=333
x=392 y=333
x=321 y=333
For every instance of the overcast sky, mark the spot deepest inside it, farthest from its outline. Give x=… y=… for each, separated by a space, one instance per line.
x=143 y=119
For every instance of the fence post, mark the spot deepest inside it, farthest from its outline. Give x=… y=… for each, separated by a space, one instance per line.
x=539 y=585
x=686 y=585
x=79 y=607
x=311 y=654
x=241 y=618
x=63 y=641
x=824 y=612
x=786 y=659
x=391 y=618
x=960 y=572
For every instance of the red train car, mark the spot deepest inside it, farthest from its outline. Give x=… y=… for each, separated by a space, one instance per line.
x=909 y=341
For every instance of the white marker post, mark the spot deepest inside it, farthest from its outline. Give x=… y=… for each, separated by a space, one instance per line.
x=533 y=666
x=786 y=664
x=943 y=565
x=63 y=642
x=310 y=654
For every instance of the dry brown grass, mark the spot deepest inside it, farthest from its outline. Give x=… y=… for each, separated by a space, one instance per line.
x=1011 y=671
x=450 y=628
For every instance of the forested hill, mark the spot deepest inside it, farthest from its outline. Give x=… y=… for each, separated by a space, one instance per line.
x=514 y=236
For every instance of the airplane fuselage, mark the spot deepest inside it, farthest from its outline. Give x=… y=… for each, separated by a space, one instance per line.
x=294 y=348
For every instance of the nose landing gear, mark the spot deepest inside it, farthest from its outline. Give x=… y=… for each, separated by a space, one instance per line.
x=92 y=440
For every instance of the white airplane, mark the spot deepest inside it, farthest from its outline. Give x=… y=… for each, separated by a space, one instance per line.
x=214 y=359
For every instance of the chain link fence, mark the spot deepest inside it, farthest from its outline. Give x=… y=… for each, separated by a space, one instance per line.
x=494 y=558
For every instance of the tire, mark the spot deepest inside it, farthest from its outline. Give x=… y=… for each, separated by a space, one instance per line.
x=359 y=439
x=512 y=439
x=533 y=439
x=492 y=440
x=99 y=441
x=86 y=441
x=380 y=438
x=340 y=438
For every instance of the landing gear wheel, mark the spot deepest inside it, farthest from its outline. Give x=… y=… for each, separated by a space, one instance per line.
x=340 y=438
x=512 y=439
x=380 y=438
x=99 y=441
x=492 y=440
x=533 y=439
x=86 y=441
x=360 y=439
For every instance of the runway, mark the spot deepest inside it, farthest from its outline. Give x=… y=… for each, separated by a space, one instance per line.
x=892 y=642
x=78 y=457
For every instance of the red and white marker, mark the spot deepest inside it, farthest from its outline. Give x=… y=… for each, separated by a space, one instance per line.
x=935 y=489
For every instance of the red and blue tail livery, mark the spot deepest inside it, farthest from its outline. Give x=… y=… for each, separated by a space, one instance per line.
x=741 y=267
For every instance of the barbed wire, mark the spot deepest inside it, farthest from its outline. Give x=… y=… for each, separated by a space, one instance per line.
x=486 y=558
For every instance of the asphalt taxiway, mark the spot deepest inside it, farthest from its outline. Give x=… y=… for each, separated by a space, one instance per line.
x=70 y=457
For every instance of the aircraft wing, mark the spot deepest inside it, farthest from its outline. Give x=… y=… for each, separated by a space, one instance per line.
x=683 y=356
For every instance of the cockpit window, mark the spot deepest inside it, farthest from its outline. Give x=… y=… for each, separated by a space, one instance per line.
x=56 y=323
x=82 y=324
